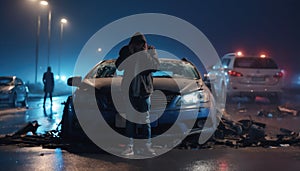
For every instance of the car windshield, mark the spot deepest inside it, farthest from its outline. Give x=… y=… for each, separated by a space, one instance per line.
x=254 y=62
x=176 y=69
x=5 y=81
x=168 y=68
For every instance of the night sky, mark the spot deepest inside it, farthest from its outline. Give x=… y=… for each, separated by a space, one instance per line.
x=254 y=26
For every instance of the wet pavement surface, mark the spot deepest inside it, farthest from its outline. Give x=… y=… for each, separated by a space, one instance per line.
x=36 y=158
x=12 y=119
x=214 y=158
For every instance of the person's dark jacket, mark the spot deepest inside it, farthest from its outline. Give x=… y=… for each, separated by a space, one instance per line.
x=48 y=80
x=142 y=84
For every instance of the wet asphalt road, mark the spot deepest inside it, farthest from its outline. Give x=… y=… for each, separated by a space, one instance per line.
x=12 y=119
x=218 y=158
x=256 y=159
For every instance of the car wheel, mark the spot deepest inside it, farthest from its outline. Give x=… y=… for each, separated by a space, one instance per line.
x=24 y=103
x=14 y=101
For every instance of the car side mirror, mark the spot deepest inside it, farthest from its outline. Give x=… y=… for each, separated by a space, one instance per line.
x=74 y=81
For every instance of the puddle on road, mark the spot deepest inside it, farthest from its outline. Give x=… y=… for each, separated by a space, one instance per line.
x=5 y=111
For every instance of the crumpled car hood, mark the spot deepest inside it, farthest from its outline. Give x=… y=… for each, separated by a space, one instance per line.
x=6 y=88
x=175 y=85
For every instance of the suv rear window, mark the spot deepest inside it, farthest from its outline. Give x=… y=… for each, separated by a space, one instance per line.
x=254 y=62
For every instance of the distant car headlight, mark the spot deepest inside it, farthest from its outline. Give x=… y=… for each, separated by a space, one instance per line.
x=195 y=98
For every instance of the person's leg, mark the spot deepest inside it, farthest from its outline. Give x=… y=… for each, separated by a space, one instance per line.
x=147 y=126
x=130 y=131
x=45 y=97
x=147 y=120
x=50 y=94
x=130 y=127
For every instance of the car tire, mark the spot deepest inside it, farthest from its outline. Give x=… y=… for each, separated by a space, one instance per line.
x=14 y=101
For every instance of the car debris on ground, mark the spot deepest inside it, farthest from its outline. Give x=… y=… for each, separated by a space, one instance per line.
x=279 y=111
x=246 y=133
x=284 y=109
x=30 y=127
x=237 y=134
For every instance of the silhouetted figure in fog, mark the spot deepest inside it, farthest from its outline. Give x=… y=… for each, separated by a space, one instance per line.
x=48 y=80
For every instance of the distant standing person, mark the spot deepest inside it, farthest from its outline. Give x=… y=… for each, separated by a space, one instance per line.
x=48 y=80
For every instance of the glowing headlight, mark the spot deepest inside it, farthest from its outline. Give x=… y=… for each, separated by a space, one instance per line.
x=204 y=96
x=195 y=97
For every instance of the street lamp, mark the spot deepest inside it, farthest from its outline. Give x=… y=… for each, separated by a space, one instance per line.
x=62 y=22
x=46 y=3
x=49 y=36
x=37 y=46
x=38 y=31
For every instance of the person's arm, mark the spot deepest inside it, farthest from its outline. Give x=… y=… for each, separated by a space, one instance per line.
x=44 y=78
x=153 y=57
x=52 y=79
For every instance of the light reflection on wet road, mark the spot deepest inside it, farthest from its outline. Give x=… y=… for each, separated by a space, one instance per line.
x=12 y=119
x=224 y=159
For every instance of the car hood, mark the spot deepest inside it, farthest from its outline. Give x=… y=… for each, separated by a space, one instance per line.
x=6 y=88
x=174 y=85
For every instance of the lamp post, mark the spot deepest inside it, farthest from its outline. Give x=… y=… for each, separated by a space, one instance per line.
x=37 y=47
x=38 y=31
x=62 y=22
x=49 y=36
x=46 y=3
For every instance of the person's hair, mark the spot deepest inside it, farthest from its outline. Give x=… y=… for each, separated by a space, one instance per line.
x=49 y=68
x=137 y=43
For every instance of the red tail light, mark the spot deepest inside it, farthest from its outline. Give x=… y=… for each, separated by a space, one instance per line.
x=234 y=73
x=278 y=74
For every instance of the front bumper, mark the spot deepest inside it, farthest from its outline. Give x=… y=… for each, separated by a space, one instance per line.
x=252 y=89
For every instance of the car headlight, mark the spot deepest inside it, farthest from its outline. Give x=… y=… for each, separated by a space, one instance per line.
x=204 y=96
x=195 y=98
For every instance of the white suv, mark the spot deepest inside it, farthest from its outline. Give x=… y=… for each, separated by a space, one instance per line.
x=247 y=75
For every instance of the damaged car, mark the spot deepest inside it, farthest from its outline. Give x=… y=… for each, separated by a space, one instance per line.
x=13 y=91
x=182 y=100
